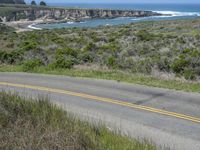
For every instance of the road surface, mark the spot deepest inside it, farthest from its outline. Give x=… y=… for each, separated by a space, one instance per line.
x=167 y=117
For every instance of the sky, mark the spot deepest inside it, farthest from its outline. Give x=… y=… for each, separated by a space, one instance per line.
x=119 y=1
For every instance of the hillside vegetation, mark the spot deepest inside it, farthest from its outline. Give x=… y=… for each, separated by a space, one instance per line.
x=168 y=47
x=30 y=124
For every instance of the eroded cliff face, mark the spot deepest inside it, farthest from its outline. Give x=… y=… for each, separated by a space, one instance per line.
x=71 y=14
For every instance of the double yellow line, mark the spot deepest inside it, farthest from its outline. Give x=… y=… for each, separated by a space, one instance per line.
x=102 y=99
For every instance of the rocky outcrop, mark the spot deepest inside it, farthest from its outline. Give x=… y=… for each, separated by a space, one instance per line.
x=71 y=14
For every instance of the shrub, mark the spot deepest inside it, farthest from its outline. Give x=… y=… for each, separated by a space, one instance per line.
x=90 y=47
x=187 y=64
x=179 y=64
x=62 y=62
x=11 y=57
x=163 y=64
x=31 y=64
x=110 y=48
x=65 y=58
x=144 y=35
x=86 y=57
x=67 y=51
x=111 y=62
x=189 y=74
x=29 y=45
x=144 y=66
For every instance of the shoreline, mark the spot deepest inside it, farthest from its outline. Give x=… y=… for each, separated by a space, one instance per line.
x=24 y=25
x=31 y=26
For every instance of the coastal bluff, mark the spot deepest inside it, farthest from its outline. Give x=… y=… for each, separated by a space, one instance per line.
x=29 y=13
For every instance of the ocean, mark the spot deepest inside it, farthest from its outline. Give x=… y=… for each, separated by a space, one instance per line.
x=177 y=11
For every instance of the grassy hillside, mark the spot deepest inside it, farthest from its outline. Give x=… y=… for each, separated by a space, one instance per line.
x=28 y=124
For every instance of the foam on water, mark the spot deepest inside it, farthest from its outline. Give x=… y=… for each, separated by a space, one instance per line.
x=32 y=26
x=176 y=13
x=70 y=22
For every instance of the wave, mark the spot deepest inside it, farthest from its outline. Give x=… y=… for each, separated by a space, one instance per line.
x=168 y=14
x=82 y=22
x=31 y=26
x=176 y=13
x=150 y=17
x=70 y=22
x=121 y=18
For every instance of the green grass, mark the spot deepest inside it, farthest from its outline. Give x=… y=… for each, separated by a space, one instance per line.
x=38 y=124
x=113 y=75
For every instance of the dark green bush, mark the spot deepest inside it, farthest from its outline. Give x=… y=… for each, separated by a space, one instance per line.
x=11 y=57
x=67 y=52
x=110 y=48
x=29 y=45
x=86 y=57
x=144 y=35
x=163 y=64
x=90 y=47
x=62 y=62
x=65 y=58
x=189 y=74
x=144 y=66
x=187 y=64
x=29 y=65
x=112 y=62
x=179 y=64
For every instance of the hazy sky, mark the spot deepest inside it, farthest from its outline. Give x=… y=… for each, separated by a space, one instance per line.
x=119 y=1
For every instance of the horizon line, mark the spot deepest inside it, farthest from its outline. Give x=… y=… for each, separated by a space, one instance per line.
x=119 y=3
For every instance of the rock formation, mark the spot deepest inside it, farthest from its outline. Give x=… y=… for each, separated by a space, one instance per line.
x=70 y=14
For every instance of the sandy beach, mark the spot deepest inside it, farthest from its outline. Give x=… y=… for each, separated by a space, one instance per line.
x=26 y=25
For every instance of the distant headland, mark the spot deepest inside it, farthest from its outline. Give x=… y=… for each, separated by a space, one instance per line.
x=17 y=15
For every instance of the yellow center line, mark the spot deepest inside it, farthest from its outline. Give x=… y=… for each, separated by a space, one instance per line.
x=102 y=99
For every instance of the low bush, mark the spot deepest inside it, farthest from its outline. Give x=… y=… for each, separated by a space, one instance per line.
x=63 y=62
x=29 y=65
x=65 y=58
x=86 y=57
x=144 y=35
x=112 y=62
x=29 y=45
x=187 y=64
x=11 y=57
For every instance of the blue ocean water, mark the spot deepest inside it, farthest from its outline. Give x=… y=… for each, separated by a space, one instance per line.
x=177 y=11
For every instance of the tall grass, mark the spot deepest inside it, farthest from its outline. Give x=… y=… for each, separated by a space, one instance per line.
x=31 y=124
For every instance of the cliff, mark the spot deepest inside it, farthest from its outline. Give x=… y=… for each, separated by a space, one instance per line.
x=58 y=14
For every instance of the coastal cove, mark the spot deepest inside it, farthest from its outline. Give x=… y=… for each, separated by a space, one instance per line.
x=168 y=11
x=68 y=16
x=24 y=16
x=106 y=22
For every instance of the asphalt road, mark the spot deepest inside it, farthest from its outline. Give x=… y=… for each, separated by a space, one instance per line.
x=167 y=117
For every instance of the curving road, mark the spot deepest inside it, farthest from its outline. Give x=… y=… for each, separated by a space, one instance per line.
x=167 y=117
